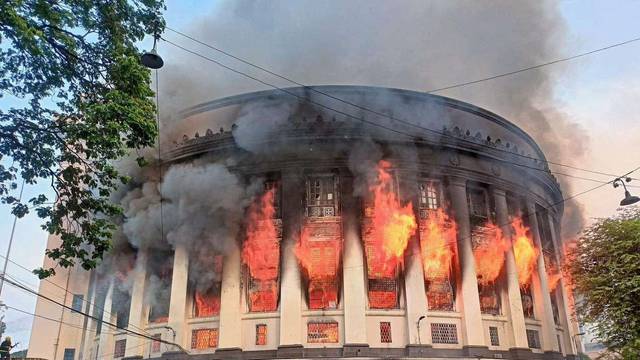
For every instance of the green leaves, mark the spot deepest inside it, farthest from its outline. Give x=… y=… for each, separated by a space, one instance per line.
x=83 y=101
x=606 y=273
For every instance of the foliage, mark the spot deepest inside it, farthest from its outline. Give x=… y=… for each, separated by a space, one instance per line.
x=82 y=100
x=605 y=271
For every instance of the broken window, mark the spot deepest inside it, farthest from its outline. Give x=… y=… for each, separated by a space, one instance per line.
x=527 y=302
x=206 y=295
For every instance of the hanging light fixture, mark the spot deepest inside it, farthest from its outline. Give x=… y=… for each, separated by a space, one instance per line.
x=628 y=198
x=151 y=59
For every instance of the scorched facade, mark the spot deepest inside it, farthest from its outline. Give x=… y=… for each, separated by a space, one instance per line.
x=361 y=241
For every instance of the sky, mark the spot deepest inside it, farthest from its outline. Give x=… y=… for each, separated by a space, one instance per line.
x=600 y=92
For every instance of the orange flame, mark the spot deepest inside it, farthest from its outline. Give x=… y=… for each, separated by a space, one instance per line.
x=261 y=250
x=437 y=244
x=553 y=273
x=524 y=252
x=391 y=227
x=207 y=304
x=490 y=254
x=320 y=259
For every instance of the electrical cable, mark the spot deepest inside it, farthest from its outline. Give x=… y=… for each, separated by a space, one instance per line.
x=55 y=320
x=63 y=289
x=411 y=136
x=115 y=326
x=311 y=88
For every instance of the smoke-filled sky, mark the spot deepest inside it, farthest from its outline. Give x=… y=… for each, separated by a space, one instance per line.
x=584 y=112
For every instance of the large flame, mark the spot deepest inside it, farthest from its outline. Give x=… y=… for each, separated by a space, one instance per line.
x=391 y=226
x=524 y=252
x=437 y=244
x=319 y=259
x=207 y=304
x=553 y=273
x=490 y=253
x=261 y=249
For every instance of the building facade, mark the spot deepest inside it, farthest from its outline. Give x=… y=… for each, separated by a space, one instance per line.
x=471 y=210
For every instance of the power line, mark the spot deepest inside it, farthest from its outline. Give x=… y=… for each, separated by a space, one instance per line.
x=65 y=290
x=311 y=88
x=301 y=98
x=54 y=320
x=115 y=326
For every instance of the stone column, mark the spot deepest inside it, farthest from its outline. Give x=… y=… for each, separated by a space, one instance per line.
x=569 y=346
x=230 y=332
x=516 y=314
x=290 y=285
x=177 y=307
x=89 y=333
x=541 y=287
x=471 y=316
x=106 y=344
x=137 y=311
x=416 y=297
x=355 y=296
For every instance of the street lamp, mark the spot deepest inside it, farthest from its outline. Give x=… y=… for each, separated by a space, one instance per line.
x=151 y=59
x=628 y=198
x=420 y=319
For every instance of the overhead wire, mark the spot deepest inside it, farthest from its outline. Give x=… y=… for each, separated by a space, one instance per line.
x=115 y=326
x=363 y=120
x=391 y=117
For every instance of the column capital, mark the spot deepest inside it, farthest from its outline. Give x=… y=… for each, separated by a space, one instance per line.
x=499 y=192
x=457 y=181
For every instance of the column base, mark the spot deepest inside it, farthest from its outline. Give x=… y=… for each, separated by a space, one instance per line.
x=230 y=353
x=552 y=355
x=355 y=350
x=477 y=351
x=520 y=353
x=292 y=351
x=173 y=354
x=419 y=350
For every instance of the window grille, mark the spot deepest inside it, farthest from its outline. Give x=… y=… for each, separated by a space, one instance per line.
x=533 y=338
x=207 y=304
x=429 y=199
x=322 y=199
x=493 y=336
x=76 y=304
x=155 y=344
x=385 y=332
x=489 y=299
x=383 y=293
x=444 y=333
x=322 y=332
x=440 y=295
x=204 y=339
x=527 y=302
x=478 y=206
x=69 y=354
x=261 y=334
x=119 y=348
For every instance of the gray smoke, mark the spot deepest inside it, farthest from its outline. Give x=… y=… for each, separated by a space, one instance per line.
x=411 y=44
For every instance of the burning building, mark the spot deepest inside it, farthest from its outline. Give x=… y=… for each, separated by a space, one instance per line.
x=406 y=225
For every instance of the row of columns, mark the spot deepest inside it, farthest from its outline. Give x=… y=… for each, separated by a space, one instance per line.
x=354 y=296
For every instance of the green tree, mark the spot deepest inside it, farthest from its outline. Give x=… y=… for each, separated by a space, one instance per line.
x=83 y=100
x=605 y=271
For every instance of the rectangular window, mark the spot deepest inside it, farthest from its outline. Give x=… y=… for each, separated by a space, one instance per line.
x=322 y=332
x=76 y=303
x=155 y=344
x=69 y=354
x=429 y=197
x=385 y=332
x=444 y=333
x=533 y=338
x=493 y=336
x=478 y=206
x=119 y=348
x=261 y=334
x=559 y=343
x=322 y=199
x=204 y=339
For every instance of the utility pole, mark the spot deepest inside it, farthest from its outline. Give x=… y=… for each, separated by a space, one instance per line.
x=13 y=229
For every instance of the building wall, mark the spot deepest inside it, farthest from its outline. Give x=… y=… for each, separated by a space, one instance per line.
x=359 y=327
